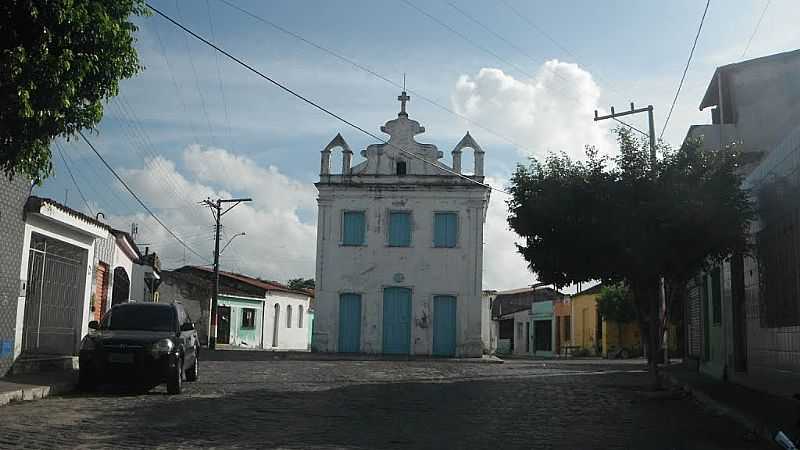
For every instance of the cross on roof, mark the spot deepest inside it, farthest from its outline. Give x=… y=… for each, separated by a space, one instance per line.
x=403 y=99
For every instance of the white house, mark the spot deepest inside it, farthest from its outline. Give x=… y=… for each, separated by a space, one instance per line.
x=400 y=248
x=252 y=313
x=56 y=272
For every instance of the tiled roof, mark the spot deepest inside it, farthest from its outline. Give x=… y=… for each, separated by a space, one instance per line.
x=34 y=204
x=263 y=284
x=592 y=290
x=515 y=300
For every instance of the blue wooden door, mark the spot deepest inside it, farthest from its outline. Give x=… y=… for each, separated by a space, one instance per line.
x=444 y=325
x=397 y=320
x=349 y=323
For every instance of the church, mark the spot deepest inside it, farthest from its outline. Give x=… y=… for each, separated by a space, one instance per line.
x=400 y=247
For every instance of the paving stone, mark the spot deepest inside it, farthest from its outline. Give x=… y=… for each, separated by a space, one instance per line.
x=377 y=404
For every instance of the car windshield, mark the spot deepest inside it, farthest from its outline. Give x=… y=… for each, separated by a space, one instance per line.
x=141 y=317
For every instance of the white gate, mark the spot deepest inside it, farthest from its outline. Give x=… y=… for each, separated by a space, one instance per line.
x=54 y=299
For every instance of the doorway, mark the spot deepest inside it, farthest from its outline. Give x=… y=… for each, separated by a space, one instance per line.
x=223 y=325
x=397 y=320
x=542 y=335
x=444 y=325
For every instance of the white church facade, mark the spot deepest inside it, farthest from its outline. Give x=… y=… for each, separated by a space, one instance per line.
x=400 y=248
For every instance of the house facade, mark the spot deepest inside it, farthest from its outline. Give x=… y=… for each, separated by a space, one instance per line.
x=743 y=317
x=525 y=320
x=57 y=270
x=400 y=248
x=251 y=313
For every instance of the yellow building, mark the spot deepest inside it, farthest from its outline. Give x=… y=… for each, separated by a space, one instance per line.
x=598 y=340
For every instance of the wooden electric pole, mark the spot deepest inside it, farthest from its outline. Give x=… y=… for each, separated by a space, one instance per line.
x=652 y=137
x=216 y=207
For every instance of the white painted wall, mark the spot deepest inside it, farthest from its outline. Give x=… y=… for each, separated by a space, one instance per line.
x=293 y=337
x=373 y=186
x=121 y=259
x=63 y=227
x=486 y=322
x=426 y=270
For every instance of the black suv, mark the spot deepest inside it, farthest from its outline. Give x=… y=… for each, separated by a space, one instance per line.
x=145 y=343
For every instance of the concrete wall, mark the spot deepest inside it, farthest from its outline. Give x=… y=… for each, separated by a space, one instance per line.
x=239 y=336
x=426 y=270
x=290 y=336
x=489 y=346
x=584 y=322
x=13 y=194
x=191 y=291
x=773 y=353
x=764 y=98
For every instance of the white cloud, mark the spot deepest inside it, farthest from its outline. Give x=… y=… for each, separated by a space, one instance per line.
x=503 y=266
x=551 y=112
x=278 y=244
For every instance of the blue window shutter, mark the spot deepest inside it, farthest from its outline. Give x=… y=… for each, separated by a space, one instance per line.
x=399 y=229
x=353 y=233
x=445 y=229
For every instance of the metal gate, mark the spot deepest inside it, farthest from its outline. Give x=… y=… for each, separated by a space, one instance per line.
x=54 y=299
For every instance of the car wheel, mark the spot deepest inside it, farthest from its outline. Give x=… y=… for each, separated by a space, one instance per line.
x=175 y=381
x=194 y=371
x=86 y=381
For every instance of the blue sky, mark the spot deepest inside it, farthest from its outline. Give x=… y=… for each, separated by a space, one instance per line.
x=194 y=124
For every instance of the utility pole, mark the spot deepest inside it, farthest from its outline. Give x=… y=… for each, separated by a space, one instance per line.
x=651 y=123
x=652 y=136
x=216 y=207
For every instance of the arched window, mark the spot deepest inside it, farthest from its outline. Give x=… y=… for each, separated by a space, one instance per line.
x=275 y=325
x=289 y=316
x=300 y=316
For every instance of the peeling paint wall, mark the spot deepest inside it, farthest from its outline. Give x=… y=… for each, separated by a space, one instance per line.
x=423 y=268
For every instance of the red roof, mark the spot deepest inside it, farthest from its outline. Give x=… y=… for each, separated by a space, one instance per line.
x=263 y=284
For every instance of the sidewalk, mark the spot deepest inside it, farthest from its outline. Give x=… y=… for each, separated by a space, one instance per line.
x=758 y=412
x=35 y=386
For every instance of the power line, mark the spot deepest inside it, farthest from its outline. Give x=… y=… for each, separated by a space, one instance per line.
x=197 y=83
x=631 y=126
x=685 y=69
x=149 y=211
x=755 y=30
x=539 y=30
x=219 y=74
x=61 y=153
x=466 y=38
x=316 y=105
x=499 y=36
x=372 y=72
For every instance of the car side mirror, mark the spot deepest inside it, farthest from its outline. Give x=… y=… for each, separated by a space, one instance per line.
x=188 y=326
x=94 y=325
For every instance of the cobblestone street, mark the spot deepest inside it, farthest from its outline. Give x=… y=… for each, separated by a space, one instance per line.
x=252 y=403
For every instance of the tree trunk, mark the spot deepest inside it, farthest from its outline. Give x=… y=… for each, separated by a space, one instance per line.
x=647 y=301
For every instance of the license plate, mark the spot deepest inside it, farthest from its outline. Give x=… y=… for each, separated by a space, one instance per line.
x=120 y=358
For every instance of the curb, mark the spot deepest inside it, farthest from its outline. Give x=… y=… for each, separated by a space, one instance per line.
x=264 y=355
x=28 y=392
x=748 y=422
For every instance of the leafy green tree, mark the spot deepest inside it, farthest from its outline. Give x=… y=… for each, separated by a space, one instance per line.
x=615 y=304
x=629 y=219
x=301 y=283
x=59 y=60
